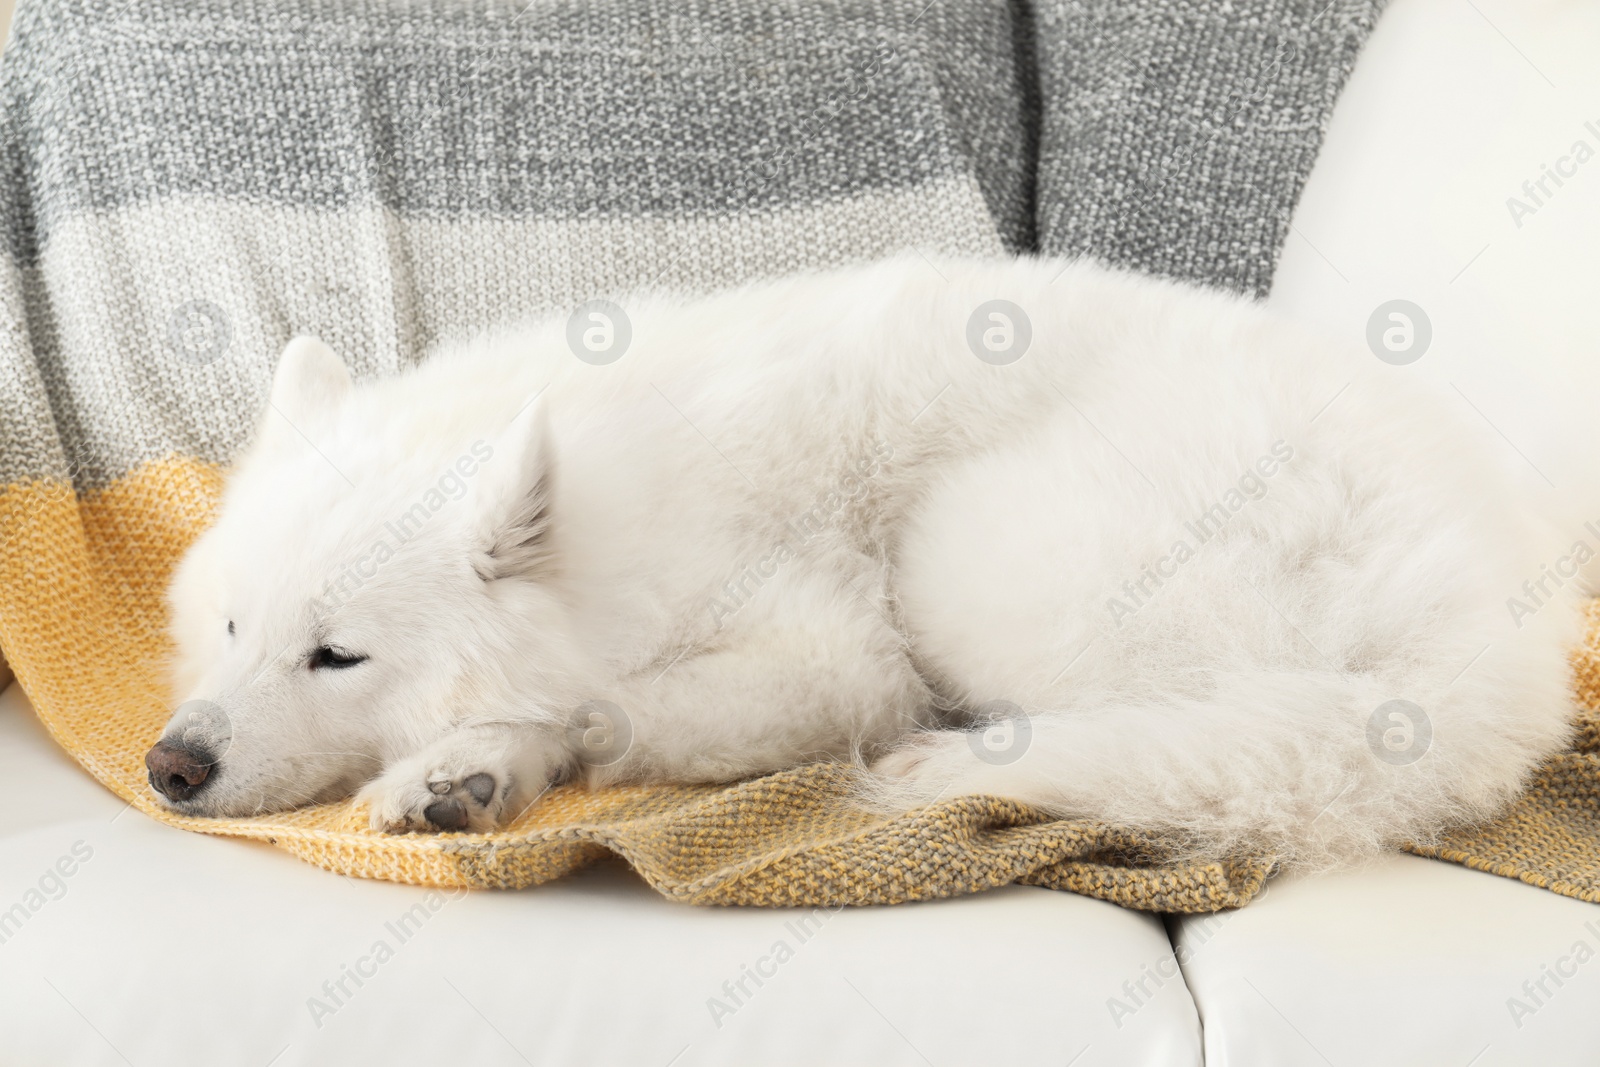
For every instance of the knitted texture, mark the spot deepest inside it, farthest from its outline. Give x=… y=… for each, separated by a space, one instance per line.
x=186 y=184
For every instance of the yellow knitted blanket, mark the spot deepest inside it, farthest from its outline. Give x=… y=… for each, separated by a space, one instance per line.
x=82 y=620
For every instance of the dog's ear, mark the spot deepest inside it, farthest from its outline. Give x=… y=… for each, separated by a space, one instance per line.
x=514 y=496
x=307 y=387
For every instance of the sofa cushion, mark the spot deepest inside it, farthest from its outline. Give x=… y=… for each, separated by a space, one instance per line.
x=1410 y=961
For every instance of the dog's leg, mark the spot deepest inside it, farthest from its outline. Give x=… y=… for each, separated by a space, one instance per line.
x=811 y=668
x=474 y=778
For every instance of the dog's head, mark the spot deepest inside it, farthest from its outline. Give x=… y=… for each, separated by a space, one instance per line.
x=372 y=577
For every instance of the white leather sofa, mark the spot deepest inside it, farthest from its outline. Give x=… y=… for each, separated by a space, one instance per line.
x=123 y=941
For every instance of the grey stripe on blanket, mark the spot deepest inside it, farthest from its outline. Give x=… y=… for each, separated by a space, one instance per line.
x=188 y=184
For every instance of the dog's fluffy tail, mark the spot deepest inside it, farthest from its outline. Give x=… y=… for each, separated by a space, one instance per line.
x=1312 y=769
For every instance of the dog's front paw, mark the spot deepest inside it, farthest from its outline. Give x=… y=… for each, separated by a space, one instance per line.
x=418 y=795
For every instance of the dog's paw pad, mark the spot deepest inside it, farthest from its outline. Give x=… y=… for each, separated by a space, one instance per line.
x=440 y=801
x=449 y=815
x=481 y=787
x=467 y=803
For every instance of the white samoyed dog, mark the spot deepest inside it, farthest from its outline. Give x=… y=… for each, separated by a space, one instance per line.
x=1118 y=548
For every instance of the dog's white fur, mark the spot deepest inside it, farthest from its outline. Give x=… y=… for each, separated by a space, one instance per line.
x=803 y=521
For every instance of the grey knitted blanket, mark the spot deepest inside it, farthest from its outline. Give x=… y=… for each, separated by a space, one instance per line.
x=186 y=184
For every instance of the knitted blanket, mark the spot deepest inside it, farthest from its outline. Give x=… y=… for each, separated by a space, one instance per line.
x=186 y=184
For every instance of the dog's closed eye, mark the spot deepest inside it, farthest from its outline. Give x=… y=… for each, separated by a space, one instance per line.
x=329 y=658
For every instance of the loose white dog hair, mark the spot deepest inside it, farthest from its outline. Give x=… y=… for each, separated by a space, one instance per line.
x=1118 y=548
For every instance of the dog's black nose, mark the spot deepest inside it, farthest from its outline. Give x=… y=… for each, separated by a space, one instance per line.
x=177 y=772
